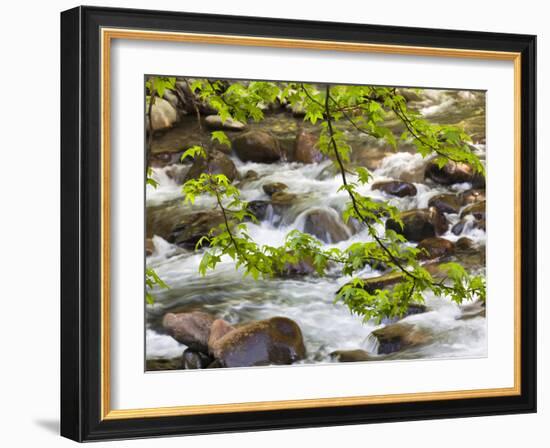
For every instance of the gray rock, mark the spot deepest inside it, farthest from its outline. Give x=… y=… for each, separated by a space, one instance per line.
x=215 y=123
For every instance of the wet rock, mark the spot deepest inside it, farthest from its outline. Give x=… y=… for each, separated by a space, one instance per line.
x=396 y=188
x=419 y=224
x=215 y=163
x=351 y=355
x=472 y=217
x=215 y=123
x=472 y=310
x=251 y=175
x=163 y=115
x=161 y=159
x=193 y=226
x=149 y=247
x=283 y=198
x=446 y=203
x=453 y=173
x=305 y=150
x=472 y=196
x=466 y=224
x=477 y=210
x=326 y=225
x=260 y=209
x=218 y=330
x=195 y=360
x=274 y=187
x=273 y=341
x=435 y=247
x=177 y=173
x=465 y=244
x=191 y=329
x=257 y=146
x=398 y=336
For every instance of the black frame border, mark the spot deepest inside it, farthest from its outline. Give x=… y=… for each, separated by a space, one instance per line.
x=81 y=223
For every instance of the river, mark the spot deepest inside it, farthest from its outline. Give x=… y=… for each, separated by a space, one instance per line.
x=308 y=300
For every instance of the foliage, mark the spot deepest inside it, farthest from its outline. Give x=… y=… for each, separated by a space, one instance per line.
x=152 y=280
x=369 y=110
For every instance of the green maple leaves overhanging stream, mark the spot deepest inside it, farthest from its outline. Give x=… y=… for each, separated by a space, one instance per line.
x=366 y=109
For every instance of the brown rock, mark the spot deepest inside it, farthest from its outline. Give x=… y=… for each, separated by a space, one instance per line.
x=305 y=150
x=257 y=146
x=215 y=123
x=274 y=187
x=453 y=173
x=395 y=337
x=396 y=188
x=191 y=329
x=218 y=329
x=435 y=247
x=193 y=226
x=283 y=198
x=446 y=203
x=419 y=224
x=351 y=355
x=215 y=163
x=326 y=225
x=273 y=341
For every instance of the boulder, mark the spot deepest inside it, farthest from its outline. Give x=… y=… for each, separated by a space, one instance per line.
x=446 y=203
x=419 y=224
x=472 y=310
x=251 y=175
x=435 y=247
x=163 y=115
x=216 y=163
x=305 y=150
x=472 y=216
x=260 y=209
x=472 y=195
x=191 y=329
x=215 y=123
x=218 y=330
x=326 y=225
x=465 y=244
x=283 y=198
x=177 y=172
x=477 y=210
x=395 y=188
x=274 y=187
x=195 y=360
x=351 y=355
x=193 y=226
x=257 y=146
x=453 y=173
x=398 y=336
x=273 y=341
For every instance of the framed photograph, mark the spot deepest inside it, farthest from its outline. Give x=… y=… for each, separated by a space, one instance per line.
x=277 y=224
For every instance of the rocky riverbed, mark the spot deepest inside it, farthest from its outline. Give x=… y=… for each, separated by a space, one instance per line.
x=225 y=320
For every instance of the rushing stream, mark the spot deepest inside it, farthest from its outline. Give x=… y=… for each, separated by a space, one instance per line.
x=308 y=300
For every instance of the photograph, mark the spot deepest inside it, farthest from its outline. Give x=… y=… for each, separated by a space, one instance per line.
x=292 y=223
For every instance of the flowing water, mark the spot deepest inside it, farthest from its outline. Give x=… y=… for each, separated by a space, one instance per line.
x=309 y=300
